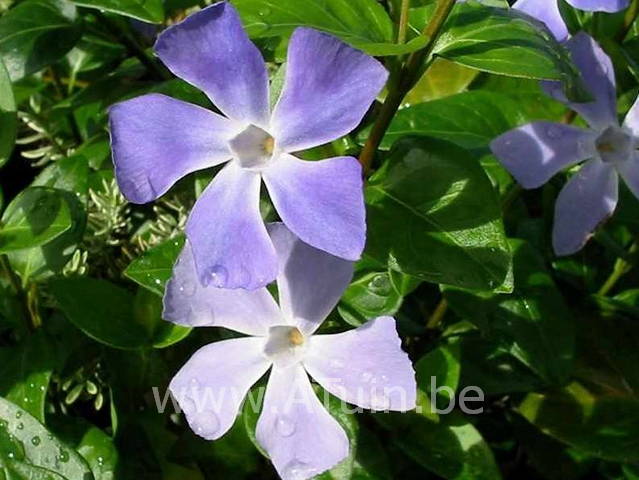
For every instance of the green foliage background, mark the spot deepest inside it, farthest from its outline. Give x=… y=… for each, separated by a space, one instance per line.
x=456 y=252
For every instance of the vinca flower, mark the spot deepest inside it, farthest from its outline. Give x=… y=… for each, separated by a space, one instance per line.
x=535 y=152
x=156 y=140
x=548 y=11
x=364 y=366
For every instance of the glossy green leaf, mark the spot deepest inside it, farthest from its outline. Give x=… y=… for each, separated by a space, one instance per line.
x=468 y=119
x=36 y=216
x=449 y=445
x=362 y=23
x=433 y=214
x=25 y=371
x=604 y=425
x=38 y=448
x=151 y=11
x=153 y=268
x=8 y=116
x=35 y=34
x=533 y=322
x=100 y=309
x=502 y=41
x=440 y=367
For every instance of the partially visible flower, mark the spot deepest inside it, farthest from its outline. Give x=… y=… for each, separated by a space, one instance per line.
x=548 y=11
x=156 y=140
x=535 y=152
x=365 y=366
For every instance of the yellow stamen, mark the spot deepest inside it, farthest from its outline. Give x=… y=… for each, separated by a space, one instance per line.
x=605 y=147
x=295 y=337
x=269 y=145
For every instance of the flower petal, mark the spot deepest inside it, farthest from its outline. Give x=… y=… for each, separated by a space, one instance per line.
x=598 y=76
x=310 y=281
x=365 y=366
x=156 y=140
x=547 y=12
x=535 y=152
x=211 y=386
x=632 y=120
x=599 y=5
x=300 y=436
x=211 y=50
x=229 y=240
x=187 y=302
x=588 y=198
x=321 y=202
x=329 y=87
x=629 y=171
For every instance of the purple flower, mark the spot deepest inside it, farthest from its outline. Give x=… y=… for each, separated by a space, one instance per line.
x=156 y=140
x=548 y=11
x=535 y=152
x=365 y=366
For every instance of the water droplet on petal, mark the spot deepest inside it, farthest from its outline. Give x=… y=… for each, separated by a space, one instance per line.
x=336 y=364
x=63 y=456
x=216 y=276
x=18 y=413
x=35 y=441
x=285 y=426
x=298 y=470
x=206 y=424
x=187 y=288
x=366 y=377
x=20 y=426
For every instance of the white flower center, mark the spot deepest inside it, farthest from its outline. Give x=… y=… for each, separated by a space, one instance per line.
x=253 y=147
x=615 y=145
x=285 y=345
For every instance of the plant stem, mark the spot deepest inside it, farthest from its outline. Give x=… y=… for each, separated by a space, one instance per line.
x=622 y=266
x=133 y=47
x=403 y=21
x=437 y=316
x=407 y=78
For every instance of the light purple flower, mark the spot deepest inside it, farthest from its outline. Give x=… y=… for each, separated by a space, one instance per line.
x=156 y=140
x=548 y=11
x=364 y=366
x=535 y=152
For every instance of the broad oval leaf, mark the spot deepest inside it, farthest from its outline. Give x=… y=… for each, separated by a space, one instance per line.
x=8 y=116
x=151 y=11
x=468 y=119
x=102 y=310
x=37 y=33
x=153 y=268
x=502 y=41
x=38 y=450
x=362 y=23
x=433 y=214
x=36 y=216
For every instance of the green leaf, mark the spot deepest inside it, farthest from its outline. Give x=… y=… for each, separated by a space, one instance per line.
x=95 y=446
x=362 y=23
x=373 y=293
x=8 y=116
x=151 y=11
x=441 y=366
x=154 y=267
x=533 y=322
x=443 y=78
x=25 y=372
x=449 y=445
x=502 y=41
x=38 y=448
x=468 y=119
x=36 y=216
x=604 y=425
x=100 y=309
x=433 y=214
x=35 y=34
